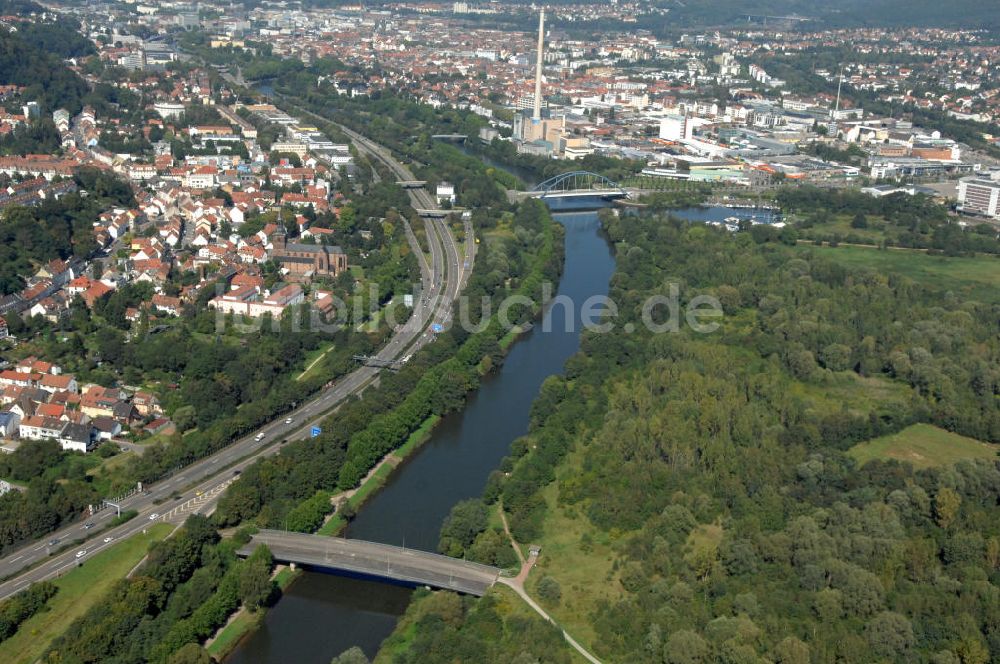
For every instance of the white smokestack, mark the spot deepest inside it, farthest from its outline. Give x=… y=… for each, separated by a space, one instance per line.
x=538 y=66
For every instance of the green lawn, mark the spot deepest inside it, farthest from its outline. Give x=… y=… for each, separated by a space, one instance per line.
x=840 y=224
x=79 y=590
x=313 y=361
x=418 y=437
x=924 y=446
x=975 y=278
x=858 y=394
x=242 y=624
x=578 y=556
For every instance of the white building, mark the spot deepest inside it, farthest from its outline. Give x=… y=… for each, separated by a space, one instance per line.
x=674 y=128
x=445 y=192
x=168 y=109
x=979 y=195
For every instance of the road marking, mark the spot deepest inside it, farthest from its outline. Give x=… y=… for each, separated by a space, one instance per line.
x=14 y=560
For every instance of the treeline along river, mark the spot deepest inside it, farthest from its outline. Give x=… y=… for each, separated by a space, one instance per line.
x=321 y=615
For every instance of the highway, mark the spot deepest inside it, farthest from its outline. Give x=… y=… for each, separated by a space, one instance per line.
x=420 y=198
x=200 y=484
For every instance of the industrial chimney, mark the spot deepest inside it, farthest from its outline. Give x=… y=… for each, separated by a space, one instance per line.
x=538 y=67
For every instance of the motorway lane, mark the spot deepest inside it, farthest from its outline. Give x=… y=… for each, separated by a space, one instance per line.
x=442 y=285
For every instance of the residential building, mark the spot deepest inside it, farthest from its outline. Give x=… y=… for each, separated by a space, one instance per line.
x=76 y=438
x=9 y=424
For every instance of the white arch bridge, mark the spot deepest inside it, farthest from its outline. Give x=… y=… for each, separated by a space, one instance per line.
x=577 y=184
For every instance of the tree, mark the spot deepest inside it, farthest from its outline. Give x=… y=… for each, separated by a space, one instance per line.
x=351 y=656
x=946 y=505
x=192 y=653
x=890 y=635
x=467 y=519
x=255 y=584
x=971 y=650
x=685 y=647
x=836 y=357
x=549 y=591
x=859 y=221
x=791 y=651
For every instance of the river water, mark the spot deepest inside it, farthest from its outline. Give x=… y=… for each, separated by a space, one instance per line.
x=321 y=615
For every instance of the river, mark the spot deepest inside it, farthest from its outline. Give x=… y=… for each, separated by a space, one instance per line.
x=321 y=615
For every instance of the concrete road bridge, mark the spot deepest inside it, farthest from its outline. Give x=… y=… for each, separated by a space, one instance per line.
x=379 y=561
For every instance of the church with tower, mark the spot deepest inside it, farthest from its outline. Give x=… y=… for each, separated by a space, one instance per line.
x=306 y=261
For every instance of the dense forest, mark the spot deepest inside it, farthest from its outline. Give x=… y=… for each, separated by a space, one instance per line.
x=46 y=79
x=695 y=492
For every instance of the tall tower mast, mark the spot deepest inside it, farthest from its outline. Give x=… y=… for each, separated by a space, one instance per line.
x=839 y=84
x=538 y=67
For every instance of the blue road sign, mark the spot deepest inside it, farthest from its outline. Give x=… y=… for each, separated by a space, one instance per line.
x=315 y=431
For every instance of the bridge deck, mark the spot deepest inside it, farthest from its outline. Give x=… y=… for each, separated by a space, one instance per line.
x=438 y=214
x=378 y=560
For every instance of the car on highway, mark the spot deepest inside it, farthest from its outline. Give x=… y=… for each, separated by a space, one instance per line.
x=53 y=542
x=288 y=420
x=81 y=553
x=108 y=539
x=88 y=526
x=259 y=437
x=154 y=516
x=237 y=471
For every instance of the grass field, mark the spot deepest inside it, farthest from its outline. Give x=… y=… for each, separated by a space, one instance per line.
x=858 y=394
x=242 y=624
x=580 y=558
x=79 y=590
x=840 y=224
x=924 y=446
x=313 y=360
x=975 y=278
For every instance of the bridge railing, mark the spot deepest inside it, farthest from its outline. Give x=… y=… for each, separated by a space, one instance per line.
x=578 y=181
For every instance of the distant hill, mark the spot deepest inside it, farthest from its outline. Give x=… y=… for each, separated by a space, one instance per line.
x=841 y=13
x=844 y=13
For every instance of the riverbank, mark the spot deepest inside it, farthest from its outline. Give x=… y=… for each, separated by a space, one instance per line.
x=243 y=622
x=353 y=499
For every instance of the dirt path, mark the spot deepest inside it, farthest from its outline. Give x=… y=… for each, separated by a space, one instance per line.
x=517 y=585
x=314 y=362
x=506 y=529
